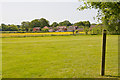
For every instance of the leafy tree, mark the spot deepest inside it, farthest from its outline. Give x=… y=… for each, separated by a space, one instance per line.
x=18 y=26
x=26 y=25
x=4 y=27
x=35 y=23
x=79 y=24
x=45 y=29
x=86 y=29
x=40 y=23
x=65 y=23
x=0 y=28
x=54 y=24
x=44 y=22
x=13 y=28
x=93 y=24
x=97 y=29
x=86 y=23
x=108 y=12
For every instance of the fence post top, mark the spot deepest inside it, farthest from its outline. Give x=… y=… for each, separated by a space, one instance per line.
x=104 y=31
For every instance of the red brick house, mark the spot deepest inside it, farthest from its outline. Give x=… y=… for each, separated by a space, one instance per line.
x=36 y=29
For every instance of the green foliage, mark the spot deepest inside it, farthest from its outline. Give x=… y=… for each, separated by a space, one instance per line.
x=44 y=22
x=54 y=24
x=26 y=25
x=9 y=27
x=35 y=23
x=97 y=30
x=86 y=23
x=55 y=28
x=82 y=23
x=0 y=27
x=4 y=27
x=79 y=24
x=65 y=23
x=13 y=28
x=45 y=29
x=108 y=12
x=86 y=30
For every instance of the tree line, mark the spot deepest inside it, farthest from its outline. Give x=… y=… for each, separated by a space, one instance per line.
x=28 y=26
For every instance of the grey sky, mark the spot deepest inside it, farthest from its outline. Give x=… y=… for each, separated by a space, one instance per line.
x=16 y=12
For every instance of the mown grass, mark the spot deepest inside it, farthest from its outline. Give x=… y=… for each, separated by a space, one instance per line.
x=58 y=57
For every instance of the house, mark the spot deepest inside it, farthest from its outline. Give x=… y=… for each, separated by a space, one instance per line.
x=92 y=26
x=36 y=29
x=45 y=27
x=61 y=28
x=80 y=29
x=51 y=30
x=50 y=27
x=71 y=28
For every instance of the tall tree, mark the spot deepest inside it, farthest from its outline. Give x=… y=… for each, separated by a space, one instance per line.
x=35 y=23
x=54 y=24
x=108 y=12
x=44 y=22
x=26 y=25
x=84 y=23
x=13 y=28
x=65 y=23
x=79 y=23
x=4 y=27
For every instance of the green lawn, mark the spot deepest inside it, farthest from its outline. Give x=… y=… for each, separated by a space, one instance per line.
x=58 y=57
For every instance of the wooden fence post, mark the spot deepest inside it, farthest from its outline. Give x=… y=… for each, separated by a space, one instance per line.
x=73 y=32
x=103 y=53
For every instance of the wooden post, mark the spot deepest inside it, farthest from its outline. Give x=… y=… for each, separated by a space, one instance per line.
x=103 y=53
x=73 y=32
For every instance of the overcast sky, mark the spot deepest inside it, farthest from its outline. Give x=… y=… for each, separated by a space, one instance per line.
x=14 y=12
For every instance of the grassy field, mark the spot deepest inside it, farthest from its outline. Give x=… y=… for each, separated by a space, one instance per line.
x=58 y=57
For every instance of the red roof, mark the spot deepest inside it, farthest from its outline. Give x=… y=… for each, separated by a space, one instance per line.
x=45 y=27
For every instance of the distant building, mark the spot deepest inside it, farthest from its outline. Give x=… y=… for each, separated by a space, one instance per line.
x=80 y=29
x=92 y=26
x=51 y=30
x=36 y=29
x=61 y=28
x=46 y=27
x=50 y=27
x=71 y=28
